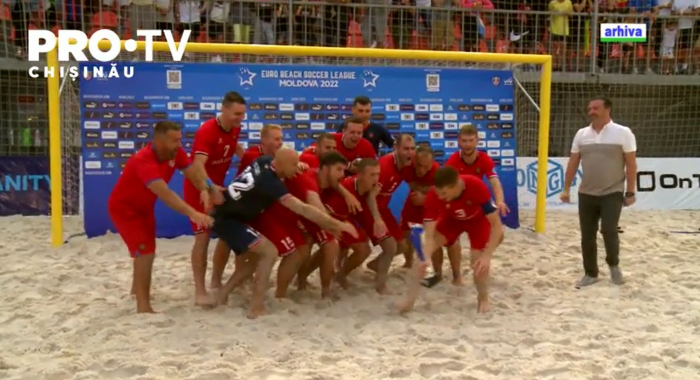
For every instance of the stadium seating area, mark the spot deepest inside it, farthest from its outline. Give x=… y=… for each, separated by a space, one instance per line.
x=514 y=26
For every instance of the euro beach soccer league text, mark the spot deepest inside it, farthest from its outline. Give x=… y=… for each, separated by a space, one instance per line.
x=72 y=43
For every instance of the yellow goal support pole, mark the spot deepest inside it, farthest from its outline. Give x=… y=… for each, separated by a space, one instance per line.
x=214 y=48
x=56 y=183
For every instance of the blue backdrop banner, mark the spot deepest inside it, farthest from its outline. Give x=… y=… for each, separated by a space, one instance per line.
x=431 y=104
x=24 y=186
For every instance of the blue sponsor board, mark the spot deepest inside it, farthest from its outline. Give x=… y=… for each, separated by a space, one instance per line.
x=431 y=104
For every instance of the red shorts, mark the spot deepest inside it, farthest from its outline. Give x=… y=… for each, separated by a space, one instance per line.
x=411 y=214
x=366 y=221
x=312 y=229
x=191 y=196
x=280 y=226
x=138 y=231
x=478 y=230
x=346 y=240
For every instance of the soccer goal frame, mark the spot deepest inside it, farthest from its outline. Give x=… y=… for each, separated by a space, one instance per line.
x=214 y=48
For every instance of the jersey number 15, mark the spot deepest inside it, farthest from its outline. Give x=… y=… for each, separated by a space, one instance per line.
x=243 y=182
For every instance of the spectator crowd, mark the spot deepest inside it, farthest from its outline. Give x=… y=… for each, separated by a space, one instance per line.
x=563 y=28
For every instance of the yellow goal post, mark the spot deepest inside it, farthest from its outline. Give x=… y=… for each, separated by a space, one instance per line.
x=545 y=61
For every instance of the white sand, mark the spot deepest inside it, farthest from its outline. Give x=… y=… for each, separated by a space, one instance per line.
x=66 y=314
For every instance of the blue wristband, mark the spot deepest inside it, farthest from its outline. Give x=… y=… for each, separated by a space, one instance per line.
x=209 y=183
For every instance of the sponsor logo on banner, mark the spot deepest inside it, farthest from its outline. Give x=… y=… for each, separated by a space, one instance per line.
x=662 y=183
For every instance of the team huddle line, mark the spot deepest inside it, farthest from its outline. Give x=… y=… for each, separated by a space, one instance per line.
x=334 y=195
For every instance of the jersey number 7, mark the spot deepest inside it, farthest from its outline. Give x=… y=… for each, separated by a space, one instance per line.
x=243 y=182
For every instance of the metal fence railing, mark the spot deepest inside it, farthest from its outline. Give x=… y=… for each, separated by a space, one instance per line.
x=567 y=31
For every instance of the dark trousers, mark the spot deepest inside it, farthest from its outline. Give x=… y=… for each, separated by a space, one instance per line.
x=605 y=209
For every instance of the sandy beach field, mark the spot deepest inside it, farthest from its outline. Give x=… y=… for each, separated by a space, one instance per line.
x=66 y=314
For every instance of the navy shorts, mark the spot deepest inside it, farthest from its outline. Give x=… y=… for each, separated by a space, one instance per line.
x=238 y=236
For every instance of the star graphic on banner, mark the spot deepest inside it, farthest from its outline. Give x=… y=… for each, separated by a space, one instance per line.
x=246 y=77
x=369 y=78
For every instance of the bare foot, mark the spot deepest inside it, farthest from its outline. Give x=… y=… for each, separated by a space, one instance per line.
x=220 y=298
x=459 y=281
x=204 y=300
x=342 y=280
x=483 y=306
x=256 y=311
x=383 y=290
x=404 y=307
x=329 y=295
x=373 y=265
x=408 y=264
x=145 y=310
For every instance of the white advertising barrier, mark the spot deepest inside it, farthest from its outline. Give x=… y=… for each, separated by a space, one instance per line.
x=662 y=183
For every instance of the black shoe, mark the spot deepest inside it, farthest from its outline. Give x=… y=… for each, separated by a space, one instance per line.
x=431 y=281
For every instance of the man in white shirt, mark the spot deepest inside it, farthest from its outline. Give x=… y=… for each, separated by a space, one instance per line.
x=607 y=153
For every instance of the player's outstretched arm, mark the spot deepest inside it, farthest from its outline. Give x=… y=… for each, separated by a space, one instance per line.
x=429 y=237
x=314 y=199
x=497 y=189
x=496 y=232
x=240 y=151
x=319 y=217
x=170 y=198
x=197 y=174
x=418 y=269
x=353 y=203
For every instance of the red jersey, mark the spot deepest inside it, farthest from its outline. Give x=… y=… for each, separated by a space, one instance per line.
x=408 y=173
x=131 y=191
x=218 y=145
x=310 y=158
x=335 y=203
x=468 y=206
x=482 y=166
x=251 y=154
x=302 y=184
x=389 y=177
x=363 y=149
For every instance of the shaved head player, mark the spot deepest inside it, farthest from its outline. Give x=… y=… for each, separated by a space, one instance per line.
x=215 y=143
x=270 y=143
x=131 y=205
x=259 y=186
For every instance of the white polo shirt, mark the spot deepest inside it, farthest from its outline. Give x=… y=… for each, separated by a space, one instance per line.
x=603 y=157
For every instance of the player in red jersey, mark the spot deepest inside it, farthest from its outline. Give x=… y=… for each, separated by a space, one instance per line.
x=419 y=176
x=352 y=145
x=132 y=202
x=469 y=160
x=390 y=177
x=270 y=142
x=308 y=186
x=365 y=187
x=457 y=204
x=215 y=144
x=312 y=155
